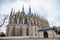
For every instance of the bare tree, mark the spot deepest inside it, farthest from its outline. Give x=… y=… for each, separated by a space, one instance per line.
x=3 y=21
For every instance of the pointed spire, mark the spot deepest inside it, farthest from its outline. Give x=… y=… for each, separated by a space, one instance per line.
x=14 y=12
x=29 y=9
x=29 y=14
x=11 y=12
x=23 y=10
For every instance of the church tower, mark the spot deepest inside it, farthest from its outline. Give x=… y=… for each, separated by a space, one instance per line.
x=29 y=10
x=30 y=13
x=23 y=10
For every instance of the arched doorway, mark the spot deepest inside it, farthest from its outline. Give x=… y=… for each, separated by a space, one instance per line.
x=45 y=34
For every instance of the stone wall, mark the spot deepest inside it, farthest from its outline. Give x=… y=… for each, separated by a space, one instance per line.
x=49 y=32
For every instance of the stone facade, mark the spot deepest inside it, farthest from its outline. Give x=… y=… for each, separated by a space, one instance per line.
x=50 y=34
x=21 y=24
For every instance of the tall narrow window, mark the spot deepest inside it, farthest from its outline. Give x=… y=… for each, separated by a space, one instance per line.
x=25 y=21
x=34 y=22
x=13 y=31
x=28 y=22
x=20 y=31
x=7 y=31
x=15 y=21
x=37 y=24
x=31 y=22
x=10 y=22
x=35 y=29
x=21 y=20
x=27 y=31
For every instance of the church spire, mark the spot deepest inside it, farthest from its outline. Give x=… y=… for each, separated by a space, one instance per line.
x=29 y=9
x=11 y=12
x=30 y=14
x=14 y=12
x=23 y=10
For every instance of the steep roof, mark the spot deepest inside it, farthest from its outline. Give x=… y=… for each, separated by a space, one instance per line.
x=45 y=28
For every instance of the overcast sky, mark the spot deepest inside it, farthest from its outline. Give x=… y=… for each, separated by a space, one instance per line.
x=49 y=9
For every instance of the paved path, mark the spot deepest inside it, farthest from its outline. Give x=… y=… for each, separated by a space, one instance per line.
x=27 y=38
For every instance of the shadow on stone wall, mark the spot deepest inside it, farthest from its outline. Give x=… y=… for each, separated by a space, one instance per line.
x=2 y=34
